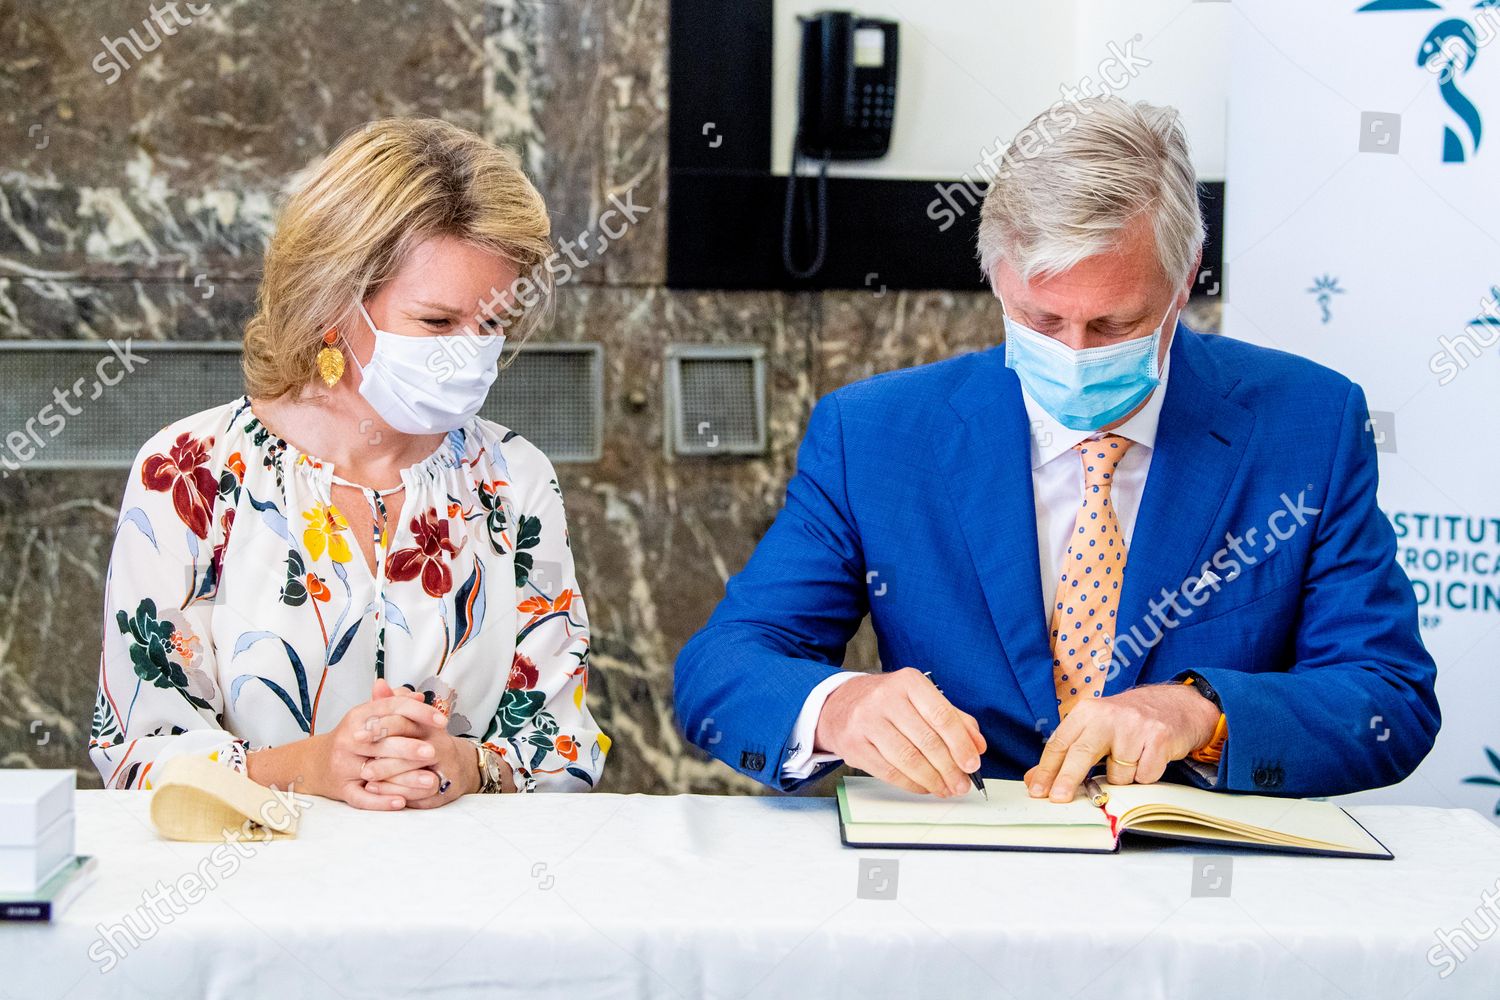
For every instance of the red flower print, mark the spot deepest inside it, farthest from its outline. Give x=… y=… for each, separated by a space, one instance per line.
x=567 y=746
x=216 y=561
x=427 y=556
x=522 y=672
x=184 y=471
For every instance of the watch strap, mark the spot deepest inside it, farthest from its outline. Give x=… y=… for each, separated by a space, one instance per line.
x=1213 y=751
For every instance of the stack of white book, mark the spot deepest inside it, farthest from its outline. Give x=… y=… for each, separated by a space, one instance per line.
x=39 y=871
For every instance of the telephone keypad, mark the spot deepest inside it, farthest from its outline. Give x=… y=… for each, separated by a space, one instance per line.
x=877 y=105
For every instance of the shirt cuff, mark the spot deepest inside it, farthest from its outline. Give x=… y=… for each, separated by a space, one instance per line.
x=1209 y=773
x=802 y=761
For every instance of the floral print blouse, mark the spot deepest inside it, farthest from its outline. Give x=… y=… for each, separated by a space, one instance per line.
x=240 y=612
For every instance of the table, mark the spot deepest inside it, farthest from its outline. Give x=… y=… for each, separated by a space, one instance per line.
x=585 y=896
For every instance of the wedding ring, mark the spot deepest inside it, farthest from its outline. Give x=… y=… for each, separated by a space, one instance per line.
x=1123 y=763
x=443 y=784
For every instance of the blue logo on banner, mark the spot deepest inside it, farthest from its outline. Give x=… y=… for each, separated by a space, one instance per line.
x=1449 y=50
x=1490 y=316
x=1325 y=288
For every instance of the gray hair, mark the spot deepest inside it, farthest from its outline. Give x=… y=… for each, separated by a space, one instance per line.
x=1065 y=190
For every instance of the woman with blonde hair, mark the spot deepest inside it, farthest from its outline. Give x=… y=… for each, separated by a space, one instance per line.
x=346 y=581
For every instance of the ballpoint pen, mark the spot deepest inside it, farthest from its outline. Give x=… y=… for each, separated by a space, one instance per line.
x=974 y=777
x=1097 y=795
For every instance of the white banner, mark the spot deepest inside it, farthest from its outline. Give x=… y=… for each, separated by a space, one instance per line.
x=1363 y=231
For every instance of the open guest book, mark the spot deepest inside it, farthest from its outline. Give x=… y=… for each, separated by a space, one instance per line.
x=874 y=814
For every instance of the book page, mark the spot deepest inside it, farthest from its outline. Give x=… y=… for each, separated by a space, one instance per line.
x=873 y=801
x=1293 y=821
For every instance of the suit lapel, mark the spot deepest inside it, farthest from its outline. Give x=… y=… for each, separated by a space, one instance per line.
x=987 y=464
x=1200 y=440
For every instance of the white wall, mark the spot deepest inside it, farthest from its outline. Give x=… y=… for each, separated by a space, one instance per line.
x=974 y=71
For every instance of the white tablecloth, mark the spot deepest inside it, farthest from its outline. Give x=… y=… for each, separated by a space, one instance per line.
x=584 y=896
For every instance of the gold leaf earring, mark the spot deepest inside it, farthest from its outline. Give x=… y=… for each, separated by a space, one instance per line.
x=330 y=359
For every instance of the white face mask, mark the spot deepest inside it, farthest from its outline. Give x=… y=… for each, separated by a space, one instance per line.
x=428 y=385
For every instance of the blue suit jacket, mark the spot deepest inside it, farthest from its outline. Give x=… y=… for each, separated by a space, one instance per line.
x=912 y=503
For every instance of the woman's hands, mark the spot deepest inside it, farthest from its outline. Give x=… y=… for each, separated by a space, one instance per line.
x=378 y=730
x=416 y=757
x=393 y=752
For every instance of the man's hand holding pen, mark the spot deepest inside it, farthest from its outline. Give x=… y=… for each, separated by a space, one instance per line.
x=900 y=728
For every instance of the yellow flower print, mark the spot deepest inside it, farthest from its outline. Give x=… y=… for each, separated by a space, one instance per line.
x=325 y=528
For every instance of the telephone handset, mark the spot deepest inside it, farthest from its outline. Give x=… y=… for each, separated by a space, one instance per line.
x=846 y=106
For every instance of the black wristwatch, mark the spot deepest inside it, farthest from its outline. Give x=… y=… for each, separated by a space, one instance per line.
x=1200 y=683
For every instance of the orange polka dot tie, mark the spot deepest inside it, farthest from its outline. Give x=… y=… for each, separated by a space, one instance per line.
x=1083 y=612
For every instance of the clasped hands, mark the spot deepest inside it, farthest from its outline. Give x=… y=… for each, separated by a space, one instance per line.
x=390 y=752
x=900 y=728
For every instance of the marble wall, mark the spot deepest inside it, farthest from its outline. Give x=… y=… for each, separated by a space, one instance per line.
x=133 y=180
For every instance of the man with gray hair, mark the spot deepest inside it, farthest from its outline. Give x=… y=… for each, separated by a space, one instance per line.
x=1111 y=540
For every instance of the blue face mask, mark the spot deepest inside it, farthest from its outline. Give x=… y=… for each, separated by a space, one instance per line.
x=1088 y=389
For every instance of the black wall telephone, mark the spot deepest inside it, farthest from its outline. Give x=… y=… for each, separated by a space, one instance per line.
x=848 y=94
x=846 y=106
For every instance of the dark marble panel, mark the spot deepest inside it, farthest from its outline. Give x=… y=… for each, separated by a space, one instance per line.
x=176 y=155
x=600 y=90
x=51 y=230
x=306 y=73
x=55 y=533
x=131 y=160
x=863 y=333
x=63 y=118
x=203 y=307
x=140 y=141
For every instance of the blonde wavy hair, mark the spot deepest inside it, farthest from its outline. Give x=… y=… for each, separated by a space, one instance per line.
x=353 y=219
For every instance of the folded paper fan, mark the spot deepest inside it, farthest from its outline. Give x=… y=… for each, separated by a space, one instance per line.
x=197 y=799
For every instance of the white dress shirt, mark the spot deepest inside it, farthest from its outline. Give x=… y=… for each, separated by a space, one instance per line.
x=1057 y=485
